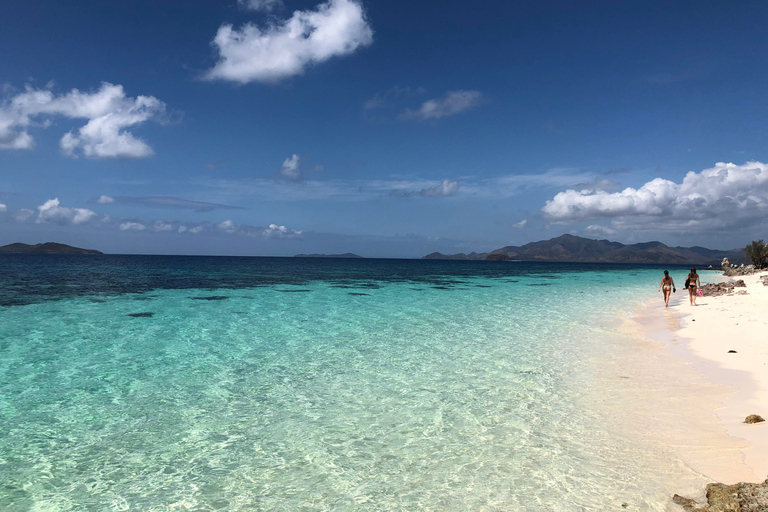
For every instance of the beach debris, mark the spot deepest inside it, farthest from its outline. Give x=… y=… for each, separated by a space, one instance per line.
x=716 y=289
x=145 y=314
x=732 y=352
x=754 y=418
x=741 y=497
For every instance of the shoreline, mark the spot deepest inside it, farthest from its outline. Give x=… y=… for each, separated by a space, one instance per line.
x=725 y=386
x=709 y=331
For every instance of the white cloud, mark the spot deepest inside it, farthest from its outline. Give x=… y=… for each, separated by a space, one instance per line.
x=194 y=229
x=290 y=171
x=452 y=103
x=722 y=196
x=51 y=211
x=161 y=226
x=105 y=200
x=23 y=215
x=260 y=5
x=132 y=226
x=227 y=226
x=521 y=224
x=108 y=111
x=275 y=231
x=286 y=48
x=3 y=208
x=597 y=229
x=444 y=189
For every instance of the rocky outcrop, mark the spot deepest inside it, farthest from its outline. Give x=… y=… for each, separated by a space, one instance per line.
x=741 y=497
x=726 y=263
x=740 y=270
x=716 y=289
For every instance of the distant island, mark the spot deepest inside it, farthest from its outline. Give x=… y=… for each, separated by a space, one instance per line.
x=46 y=248
x=345 y=255
x=570 y=248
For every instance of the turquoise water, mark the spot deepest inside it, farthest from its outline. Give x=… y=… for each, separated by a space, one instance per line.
x=377 y=388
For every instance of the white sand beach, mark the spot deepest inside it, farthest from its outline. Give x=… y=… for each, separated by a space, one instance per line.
x=692 y=393
x=734 y=322
x=671 y=388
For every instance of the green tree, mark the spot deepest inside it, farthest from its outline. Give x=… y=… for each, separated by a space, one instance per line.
x=757 y=251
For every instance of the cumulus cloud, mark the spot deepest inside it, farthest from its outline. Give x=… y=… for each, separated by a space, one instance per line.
x=132 y=226
x=290 y=171
x=108 y=111
x=105 y=200
x=275 y=231
x=521 y=224
x=193 y=229
x=260 y=5
x=452 y=103
x=3 y=208
x=160 y=226
x=227 y=226
x=52 y=211
x=724 y=195
x=23 y=215
x=597 y=229
x=444 y=189
x=285 y=48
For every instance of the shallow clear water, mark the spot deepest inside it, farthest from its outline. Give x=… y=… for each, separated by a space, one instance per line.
x=141 y=383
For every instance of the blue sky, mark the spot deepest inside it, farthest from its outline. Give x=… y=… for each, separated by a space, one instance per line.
x=385 y=128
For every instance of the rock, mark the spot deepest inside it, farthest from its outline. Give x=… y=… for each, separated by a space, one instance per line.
x=687 y=503
x=146 y=314
x=732 y=352
x=716 y=289
x=726 y=263
x=740 y=271
x=754 y=418
x=741 y=497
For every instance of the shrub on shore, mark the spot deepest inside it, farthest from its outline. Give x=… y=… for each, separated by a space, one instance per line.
x=757 y=251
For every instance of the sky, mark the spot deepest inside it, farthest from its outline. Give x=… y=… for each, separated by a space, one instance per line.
x=386 y=128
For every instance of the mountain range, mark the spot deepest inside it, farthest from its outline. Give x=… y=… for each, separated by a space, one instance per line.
x=578 y=249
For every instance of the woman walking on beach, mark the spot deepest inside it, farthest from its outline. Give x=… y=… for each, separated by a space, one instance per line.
x=669 y=286
x=693 y=285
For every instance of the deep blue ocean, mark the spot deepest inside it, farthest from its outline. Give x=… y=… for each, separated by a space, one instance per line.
x=214 y=383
